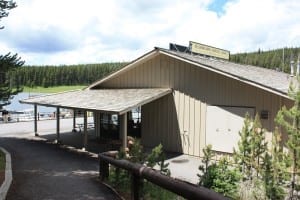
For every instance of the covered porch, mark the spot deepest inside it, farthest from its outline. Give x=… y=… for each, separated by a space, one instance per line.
x=100 y=102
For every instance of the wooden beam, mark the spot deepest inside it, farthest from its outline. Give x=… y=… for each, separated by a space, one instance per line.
x=136 y=182
x=97 y=121
x=85 y=138
x=74 y=121
x=57 y=125
x=123 y=130
x=35 y=120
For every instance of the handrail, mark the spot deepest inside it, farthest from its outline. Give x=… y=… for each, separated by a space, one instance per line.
x=184 y=189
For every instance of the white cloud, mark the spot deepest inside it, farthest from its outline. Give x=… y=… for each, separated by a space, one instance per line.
x=264 y=24
x=70 y=32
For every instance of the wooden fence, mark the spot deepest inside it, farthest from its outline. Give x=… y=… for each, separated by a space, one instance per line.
x=139 y=172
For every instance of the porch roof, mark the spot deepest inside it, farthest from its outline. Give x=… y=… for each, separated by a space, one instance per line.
x=115 y=101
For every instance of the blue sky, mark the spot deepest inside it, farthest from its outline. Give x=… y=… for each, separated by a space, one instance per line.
x=217 y=6
x=54 y=32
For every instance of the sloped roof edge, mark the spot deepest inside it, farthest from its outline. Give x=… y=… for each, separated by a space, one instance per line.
x=114 y=101
x=127 y=67
x=156 y=51
x=227 y=74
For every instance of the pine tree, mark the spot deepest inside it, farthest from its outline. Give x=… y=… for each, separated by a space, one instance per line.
x=220 y=176
x=206 y=177
x=258 y=145
x=5 y=6
x=251 y=148
x=242 y=155
x=8 y=63
x=289 y=119
x=157 y=157
x=250 y=157
x=227 y=178
x=274 y=169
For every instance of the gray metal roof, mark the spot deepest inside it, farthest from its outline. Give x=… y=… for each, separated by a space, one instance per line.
x=275 y=81
x=117 y=101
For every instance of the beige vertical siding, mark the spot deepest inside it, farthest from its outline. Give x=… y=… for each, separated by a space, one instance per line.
x=178 y=120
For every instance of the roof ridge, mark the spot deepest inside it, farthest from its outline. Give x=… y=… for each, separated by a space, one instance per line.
x=221 y=60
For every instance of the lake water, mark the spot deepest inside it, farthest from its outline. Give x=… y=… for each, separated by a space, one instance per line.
x=17 y=106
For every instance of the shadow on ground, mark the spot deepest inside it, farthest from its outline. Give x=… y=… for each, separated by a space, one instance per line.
x=42 y=170
x=75 y=139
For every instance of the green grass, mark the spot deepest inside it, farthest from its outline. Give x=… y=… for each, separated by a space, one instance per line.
x=2 y=161
x=53 y=89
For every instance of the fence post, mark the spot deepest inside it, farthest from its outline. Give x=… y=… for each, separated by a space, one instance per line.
x=117 y=171
x=104 y=169
x=140 y=172
x=135 y=186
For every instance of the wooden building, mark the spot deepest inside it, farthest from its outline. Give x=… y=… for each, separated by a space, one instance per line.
x=187 y=101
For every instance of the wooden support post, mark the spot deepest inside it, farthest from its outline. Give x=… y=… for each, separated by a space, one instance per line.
x=123 y=130
x=95 y=114
x=35 y=120
x=57 y=125
x=99 y=125
x=135 y=186
x=97 y=121
x=103 y=170
x=85 y=138
x=74 y=121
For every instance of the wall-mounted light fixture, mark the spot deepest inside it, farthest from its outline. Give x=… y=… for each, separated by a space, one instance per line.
x=264 y=114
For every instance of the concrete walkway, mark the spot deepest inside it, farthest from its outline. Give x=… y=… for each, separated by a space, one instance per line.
x=60 y=174
x=46 y=171
x=24 y=129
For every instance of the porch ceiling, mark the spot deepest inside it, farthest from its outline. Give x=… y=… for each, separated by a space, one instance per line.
x=115 y=101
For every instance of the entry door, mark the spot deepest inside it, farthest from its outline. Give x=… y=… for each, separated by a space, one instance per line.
x=223 y=125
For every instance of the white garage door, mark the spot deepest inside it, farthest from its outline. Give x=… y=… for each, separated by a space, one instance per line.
x=223 y=125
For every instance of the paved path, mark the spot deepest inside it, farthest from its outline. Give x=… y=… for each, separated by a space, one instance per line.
x=23 y=129
x=45 y=171
x=182 y=166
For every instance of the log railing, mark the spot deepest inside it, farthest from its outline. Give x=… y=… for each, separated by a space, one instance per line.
x=139 y=172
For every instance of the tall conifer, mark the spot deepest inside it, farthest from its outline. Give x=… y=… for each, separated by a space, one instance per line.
x=289 y=119
x=251 y=148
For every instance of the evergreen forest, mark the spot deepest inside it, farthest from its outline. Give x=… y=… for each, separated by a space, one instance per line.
x=277 y=59
x=49 y=76
x=85 y=74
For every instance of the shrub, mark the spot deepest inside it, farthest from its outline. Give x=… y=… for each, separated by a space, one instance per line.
x=219 y=176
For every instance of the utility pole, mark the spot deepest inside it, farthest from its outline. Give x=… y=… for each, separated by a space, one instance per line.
x=292 y=65
x=298 y=66
x=283 y=59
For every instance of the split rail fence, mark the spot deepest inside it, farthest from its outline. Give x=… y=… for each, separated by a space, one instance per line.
x=140 y=172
